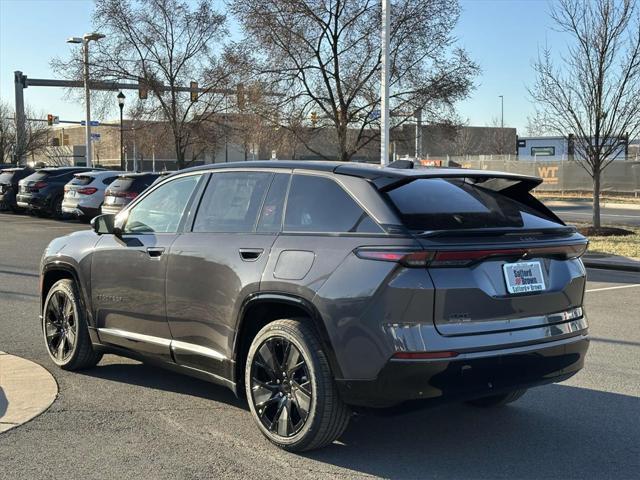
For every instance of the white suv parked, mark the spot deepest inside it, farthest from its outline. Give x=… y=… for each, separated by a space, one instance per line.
x=83 y=196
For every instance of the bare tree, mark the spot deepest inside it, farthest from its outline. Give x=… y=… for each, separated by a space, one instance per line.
x=594 y=94
x=326 y=57
x=500 y=140
x=166 y=44
x=36 y=135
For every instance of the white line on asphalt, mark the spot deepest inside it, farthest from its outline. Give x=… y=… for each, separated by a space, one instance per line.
x=612 y=288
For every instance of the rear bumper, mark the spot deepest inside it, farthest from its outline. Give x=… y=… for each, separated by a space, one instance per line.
x=112 y=209
x=471 y=375
x=32 y=202
x=80 y=211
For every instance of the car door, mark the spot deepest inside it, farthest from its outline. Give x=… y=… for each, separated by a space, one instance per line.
x=217 y=264
x=128 y=272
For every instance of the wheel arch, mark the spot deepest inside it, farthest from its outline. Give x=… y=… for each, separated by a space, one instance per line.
x=59 y=270
x=264 y=308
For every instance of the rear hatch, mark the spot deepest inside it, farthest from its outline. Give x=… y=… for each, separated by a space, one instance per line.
x=80 y=185
x=6 y=179
x=499 y=259
x=127 y=187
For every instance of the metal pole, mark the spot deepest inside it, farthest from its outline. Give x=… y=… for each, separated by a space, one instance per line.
x=501 y=111
x=418 y=115
x=384 y=85
x=153 y=158
x=121 y=140
x=20 y=118
x=87 y=102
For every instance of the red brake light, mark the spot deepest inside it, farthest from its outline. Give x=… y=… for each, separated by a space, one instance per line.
x=458 y=258
x=87 y=190
x=67 y=188
x=38 y=185
x=131 y=195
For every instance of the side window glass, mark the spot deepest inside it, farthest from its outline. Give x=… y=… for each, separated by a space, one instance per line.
x=271 y=216
x=231 y=202
x=318 y=204
x=162 y=210
x=109 y=180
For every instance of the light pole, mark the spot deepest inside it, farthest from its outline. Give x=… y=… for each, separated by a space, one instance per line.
x=384 y=85
x=84 y=40
x=121 y=98
x=501 y=111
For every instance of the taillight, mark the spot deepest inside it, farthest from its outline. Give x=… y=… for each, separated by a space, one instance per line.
x=459 y=258
x=67 y=188
x=37 y=186
x=131 y=195
x=87 y=190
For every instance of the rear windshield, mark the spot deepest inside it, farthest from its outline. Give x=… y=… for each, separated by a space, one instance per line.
x=5 y=177
x=82 y=180
x=429 y=204
x=133 y=184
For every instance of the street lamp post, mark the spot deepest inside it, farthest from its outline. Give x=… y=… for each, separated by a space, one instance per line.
x=84 y=40
x=384 y=85
x=121 y=98
x=501 y=111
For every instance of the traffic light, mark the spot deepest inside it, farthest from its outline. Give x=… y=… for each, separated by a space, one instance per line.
x=314 y=118
x=143 y=89
x=194 y=91
x=49 y=119
x=240 y=96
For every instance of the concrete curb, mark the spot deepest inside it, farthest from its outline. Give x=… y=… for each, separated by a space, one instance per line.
x=575 y=203
x=611 y=263
x=26 y=390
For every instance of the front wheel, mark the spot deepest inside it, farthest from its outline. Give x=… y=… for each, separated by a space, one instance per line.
x=498 y=400
x=290 y=388
x=65 y=329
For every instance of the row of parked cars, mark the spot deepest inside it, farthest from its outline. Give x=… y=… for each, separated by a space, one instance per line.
x=61 y=192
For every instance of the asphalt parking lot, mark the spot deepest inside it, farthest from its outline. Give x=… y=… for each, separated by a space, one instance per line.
x=126 y=420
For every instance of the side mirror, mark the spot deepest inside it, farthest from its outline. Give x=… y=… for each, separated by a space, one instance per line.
x=104 y=224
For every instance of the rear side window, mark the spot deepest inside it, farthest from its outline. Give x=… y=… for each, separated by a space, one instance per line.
x=273 y=208
x=318 y=204
x=108 y=180
x=231 y=202
x=429 y=204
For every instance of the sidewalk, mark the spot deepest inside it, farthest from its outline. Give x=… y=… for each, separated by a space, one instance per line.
x=26 y=390
x=588 y=202
x=611 y=262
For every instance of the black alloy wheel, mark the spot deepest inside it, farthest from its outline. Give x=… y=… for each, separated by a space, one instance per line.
x=61 y=326
x=281 y=387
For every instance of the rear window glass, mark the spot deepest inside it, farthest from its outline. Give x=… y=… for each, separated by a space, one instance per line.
x=36 y=177
x=5 y=177
x=83 y=180
x=450 y=204
x=134 y=184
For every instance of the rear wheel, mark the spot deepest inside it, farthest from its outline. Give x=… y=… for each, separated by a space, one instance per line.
x=290 y=388
x=56 y=208
x=65 y=329
x=497 y=400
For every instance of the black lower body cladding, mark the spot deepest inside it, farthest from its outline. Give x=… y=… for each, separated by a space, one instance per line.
x=468 y=376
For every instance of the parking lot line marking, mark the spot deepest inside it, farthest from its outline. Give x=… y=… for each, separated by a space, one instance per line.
x=612 y=288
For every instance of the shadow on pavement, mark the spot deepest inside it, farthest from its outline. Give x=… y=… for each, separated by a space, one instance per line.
x=612 y=276
x=150 y=376
x=4 y=403
x=552 y=432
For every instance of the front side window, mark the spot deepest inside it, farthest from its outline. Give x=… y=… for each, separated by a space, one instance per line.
x=162 y=210
x=231 y=202
x=318 y=204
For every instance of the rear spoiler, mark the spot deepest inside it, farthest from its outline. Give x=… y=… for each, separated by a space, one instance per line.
x=511 y=185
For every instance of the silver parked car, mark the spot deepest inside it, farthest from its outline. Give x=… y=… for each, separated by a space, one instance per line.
x=84 y=194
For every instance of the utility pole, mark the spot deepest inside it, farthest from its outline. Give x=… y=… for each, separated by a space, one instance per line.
x=418 y=115
x=501 y=111
x=20 y=81
x=384 y=85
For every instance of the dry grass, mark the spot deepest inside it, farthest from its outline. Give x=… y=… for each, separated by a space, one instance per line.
x=625 y=245
x=568 y=196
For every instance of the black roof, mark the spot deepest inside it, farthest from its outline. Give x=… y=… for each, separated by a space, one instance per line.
x=382 y=177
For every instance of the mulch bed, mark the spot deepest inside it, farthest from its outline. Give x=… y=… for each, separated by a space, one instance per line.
x=604 y=231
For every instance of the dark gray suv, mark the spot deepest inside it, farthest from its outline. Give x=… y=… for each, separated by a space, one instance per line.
x=317 y=289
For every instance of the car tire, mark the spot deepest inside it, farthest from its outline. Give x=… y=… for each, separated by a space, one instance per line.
x=498 y=400
x=64 y=320
x=56 y=208
x=290 y=382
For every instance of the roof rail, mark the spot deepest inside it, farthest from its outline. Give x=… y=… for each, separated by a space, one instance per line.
x=402 y=164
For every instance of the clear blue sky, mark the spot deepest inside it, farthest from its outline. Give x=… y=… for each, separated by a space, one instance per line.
x=503 y=36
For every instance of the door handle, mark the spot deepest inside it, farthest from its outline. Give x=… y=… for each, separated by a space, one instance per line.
x=155 y=252
x=250 y=254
